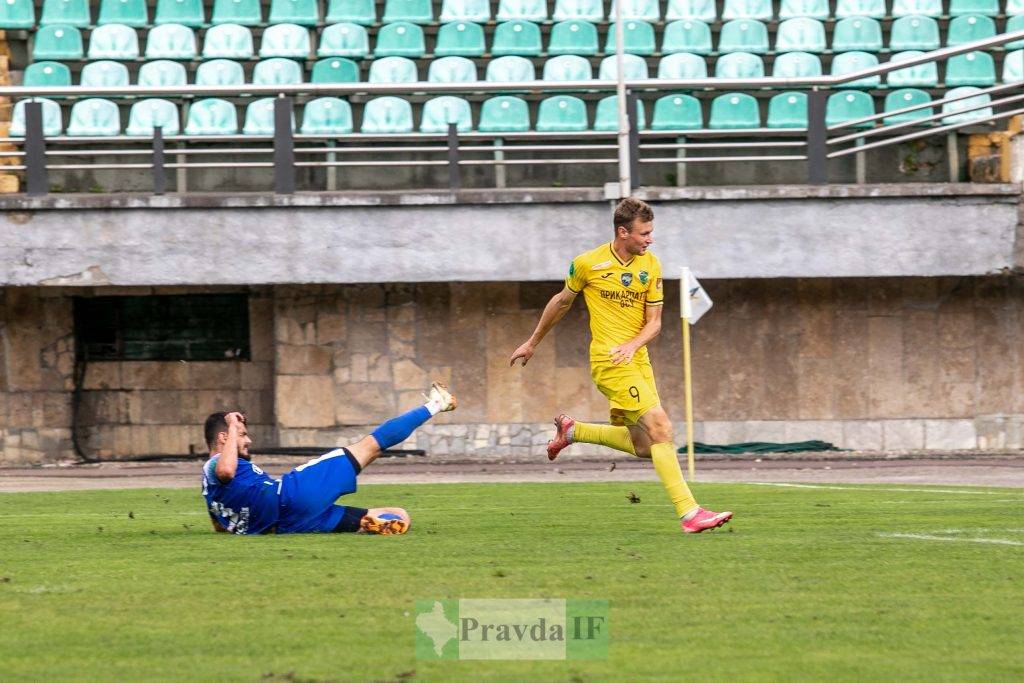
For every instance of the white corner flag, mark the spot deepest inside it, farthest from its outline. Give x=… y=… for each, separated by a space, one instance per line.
x=695 y=301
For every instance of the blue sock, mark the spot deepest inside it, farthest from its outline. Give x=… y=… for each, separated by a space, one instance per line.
x=398 y=429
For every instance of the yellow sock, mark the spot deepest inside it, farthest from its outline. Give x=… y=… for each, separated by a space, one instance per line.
x=604 y=435
x=666 y=464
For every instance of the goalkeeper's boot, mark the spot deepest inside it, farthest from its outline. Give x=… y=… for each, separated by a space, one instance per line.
x=385 y=524
x=439 y=395
x=563 y=429
x=703 y=520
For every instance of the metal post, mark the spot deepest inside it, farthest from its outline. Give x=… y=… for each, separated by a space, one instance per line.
x=860 y=163
x=625 y=181
x=332 y=171
x=953 y=156
x=681 y=166
x=35 y=150
x=454 y=179
x=500 y=178
x=817 y=138
x=159 y=173
x=634 y=138
x=284 y=147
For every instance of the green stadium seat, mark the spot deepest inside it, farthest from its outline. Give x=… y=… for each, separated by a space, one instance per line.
x=573 y=37
x=873 y=9
x=641 y=10
x=441 y=111
x=846 y=106
x=387 y=115
x=787 y=110
x=41 y=74
x=161 y=73
x=517 y=37
x=477 y=11
x=743 y=35
x=906 y=97
x=973 y=68
x=800 y=35
x=412 y=11
x=967 y=29
x=52 y=123
x=460 y=39
x=857 y=33
x=220 y=72
x=1014 y=24
x=914 y=33
x=344 y=40
x=241 y=12
x=677 y=112
x=637 y=38
x=327 y=116
x=1014 y=7
x=362 y=12
x=606 y=117
x=1013 y=67
x=146 y=115
x=277 y=71
x=694 y=10
x=335 y=70
x=747 y=9
x=504 y=114
x=954 y=111
x=682 y=65
x=562 y=113
x=228 y=41
x=57 y=41
x=66 y=12
x=114 y=41
x=988 y=8
x=402 y=39
x=923 y=75
x=582 y=10
x=849 y=62
x=522 y=10
x=285 y=40
x=17 y=14
x=301 y=12
x=259 y=117
x=126 y=12
x=171 y=41
x=104 y=74
x=924 y=8
x=511 y=69
x=686 y=35
x=796 y=65
x=94 y=116
x=185 y=12
x=451 y=70
x=739 y=65
x=393 y=70
x=634 y=65
x=734 y=110
x=567 y=68
x=212 y=116
x=811 y=9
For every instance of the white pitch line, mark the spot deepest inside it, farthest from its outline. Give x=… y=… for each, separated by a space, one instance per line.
x=865 y=487
x=929 y=537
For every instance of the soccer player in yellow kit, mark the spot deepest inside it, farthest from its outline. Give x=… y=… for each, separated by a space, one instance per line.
x=622 y=286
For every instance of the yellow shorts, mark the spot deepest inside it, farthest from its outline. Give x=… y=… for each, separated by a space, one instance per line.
x=630 y=390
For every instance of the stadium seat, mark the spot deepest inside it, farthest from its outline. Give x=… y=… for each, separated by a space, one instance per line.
x=811 y=9
x=335 y=70
x=677 y=112
x=914 y=33
x=641 y=10
x=973 y=68
x=228 y=41
x=907 y=97
x=327 y=116
x=162 y=72
x=57 y=41
x=301 y=12
x=344 y=40
x=104 y=73
x=682 y=65
x=476 y=11
x=285 y=40
x=146 y=115
x=967 y=29
x=734 y=111
x=66 y=12
x=873 y=9
x=52 y=123
x=849 y=62
x=606 y=117
x=573 y=37
x=635 y=67
x=686 y=35
x=800 y=35
x=522 y=10
x=924 y=8
x=637 y=38
x=1014 y=24
x=846 y=106
x=125 y=12
x=743 y=35
x=451 y=70
x=171 y=41
x=988 y=8
x=796 y=65
x=511 y=70
x=857 y=33
x=185 y=12
x=504 y=114
x=114 y=41
x=460 y=39
x=739 y=65
x=923 y=75
x=567 y=68
x=954 y=111
x=277 y=71
x=1014 y=7
x=697 y=10
x=517 y=37
x=259 y=117
x=441 y=111
x=403 y=39
x=212 y=116
x=393 y=70
x=412 y=11
x=94 y=116
x=17 y=14
x=563 y=113
x=362 y=12
x=386 y=115
x=1013 y=67
x=46 y=74
x=747 y=9
x=220 y=72
x=787 y=110
x=241 y=12
x=583 y=10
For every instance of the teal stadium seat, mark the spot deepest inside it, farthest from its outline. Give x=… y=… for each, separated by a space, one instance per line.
x=334 y=70
x=733 y=111
x=906 y=97
x=511 y=69
x=682 y=65
x=387 y=115
x=800 y=35
x=847 y=106
x=441 y=111
x=146 y=115
x=114 y=41
x=277 y=71
x=967 y=29
x=1014 y=7
x=412 y=11
x=743 y=35
x=451 y=70
x=327 y=116
x=849 y=62
x=285 y=40
x=606 y=117
x=812 y=9
x=504 y=114
x=562 y=113
x=52 y=123
x=857 y=33
x=104 y=74
x=220 y=72
x=259 y=117
x=362 y=12
x=477 y=11
x=697 y=10
x=925 y=8
x=57 y=41
x=66 y=12
x=1014 y=24
x=212 y=116
x=460 y=39
x=739 y=65
x=567 y=68
x=125 y=12
x=402 y=39
x=517 y=37
x=988 y=8
x=162 y=73
x=185 y=12
x=40 y=74
x=677 y=112
x=393 y=70
x=1013 y=67
x=747 y=9
x=973 y=68
x=583 y=10
x=642 y=10
x=573 y=37
x=521 y=10
x=914 y=33
x=873 y=9
x=171 y=41
x=634 y=66
x=94 y=116
x=16 y=14
x=228 y=41
x=787 y=110
x=954 y=111
x=686 y=35
x=241 y=12
x=923 y=75
x=344 y=40
x=796 y=65
x=301 y=12
x=637 y=38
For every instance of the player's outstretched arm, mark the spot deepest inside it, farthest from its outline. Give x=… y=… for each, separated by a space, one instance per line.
x=227 y=463
x=554 y=311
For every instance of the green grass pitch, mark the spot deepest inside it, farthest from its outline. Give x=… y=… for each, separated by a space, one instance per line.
x=805 y=584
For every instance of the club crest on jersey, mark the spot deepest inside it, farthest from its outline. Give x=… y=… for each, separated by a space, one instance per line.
x=643 y=277
x=627 y=279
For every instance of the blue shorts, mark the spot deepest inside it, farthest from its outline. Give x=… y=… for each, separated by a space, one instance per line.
x=308 y=493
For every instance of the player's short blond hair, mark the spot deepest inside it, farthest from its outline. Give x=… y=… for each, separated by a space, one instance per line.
x=629 y=210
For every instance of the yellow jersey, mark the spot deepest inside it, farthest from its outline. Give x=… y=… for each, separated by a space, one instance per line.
x=616 y=293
